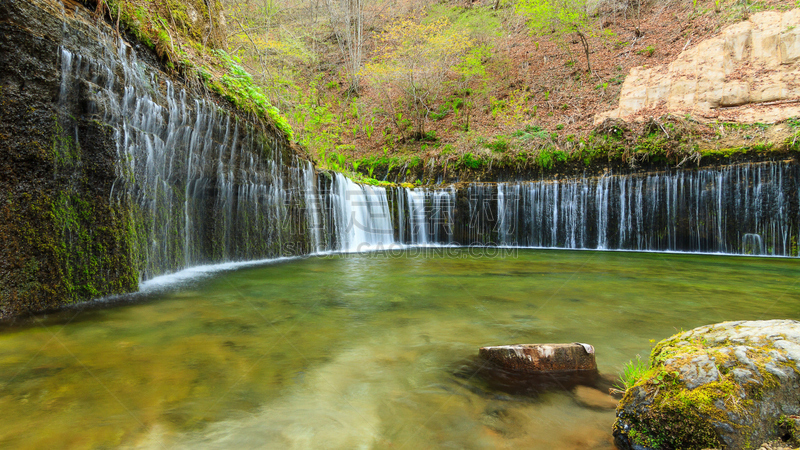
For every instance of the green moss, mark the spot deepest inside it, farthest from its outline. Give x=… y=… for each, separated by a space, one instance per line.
x=789 y=430
x=679 y=417
x=65 y=152
x=238 y=87
x=470 y=161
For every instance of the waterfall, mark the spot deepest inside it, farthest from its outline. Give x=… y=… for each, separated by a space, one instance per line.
x=362 y=219
x=442 y=214
x=200 y=186
x=417 y=216
x=312 y=208
x=425 y=216
x=747 y=208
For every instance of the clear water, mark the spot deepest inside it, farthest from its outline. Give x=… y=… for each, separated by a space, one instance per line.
x=359 y=350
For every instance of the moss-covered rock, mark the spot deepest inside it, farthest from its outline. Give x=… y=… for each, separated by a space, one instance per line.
x=728 y=385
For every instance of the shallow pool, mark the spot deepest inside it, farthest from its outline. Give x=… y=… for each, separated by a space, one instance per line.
x=360 y=350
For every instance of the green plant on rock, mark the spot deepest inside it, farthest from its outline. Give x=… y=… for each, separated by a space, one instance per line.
x=499 y=145
x=647 y=51
x=242 y=92
x=468 y=160
x=789 y=430
x=632 y=372
x=531 y=132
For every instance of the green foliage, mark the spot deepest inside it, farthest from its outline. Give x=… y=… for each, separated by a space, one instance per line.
x=647 y=51
x=560 y=17
x=499 y=145
x=180 y=40
x=452 y=105
x=429 y=136
x=632 y=372
x=469 y=161
x=413 y=66
x=532 y=132
x=789 y=430
x=238 y=87
x=482 y=22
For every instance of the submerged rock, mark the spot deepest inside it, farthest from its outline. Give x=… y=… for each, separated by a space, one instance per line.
x=594 y=398
x=537 y=358
x=532 y=368
x=729 y=385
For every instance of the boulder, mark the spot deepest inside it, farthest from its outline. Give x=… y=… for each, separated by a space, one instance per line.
x=731 y=385
x=537 y=358
x=529 y=369
x=746 y=73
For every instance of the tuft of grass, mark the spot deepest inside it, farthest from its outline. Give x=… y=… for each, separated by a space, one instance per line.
x=632 y=372
x=647 y=51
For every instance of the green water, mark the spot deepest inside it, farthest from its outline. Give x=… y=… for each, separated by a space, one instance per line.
x=359 y=351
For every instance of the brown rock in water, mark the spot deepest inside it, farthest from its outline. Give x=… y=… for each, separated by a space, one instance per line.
x=538 y=358
x=593 y=398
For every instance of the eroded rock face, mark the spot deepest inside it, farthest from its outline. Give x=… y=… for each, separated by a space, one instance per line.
x=749 y=73
x=727 y=385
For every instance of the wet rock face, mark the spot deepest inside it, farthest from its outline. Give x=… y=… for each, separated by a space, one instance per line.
x=56 y=171
x=112 y=171
x=729 y=385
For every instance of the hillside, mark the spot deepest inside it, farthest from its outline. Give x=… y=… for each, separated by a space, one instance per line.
x=487 y=91
x=421 y=92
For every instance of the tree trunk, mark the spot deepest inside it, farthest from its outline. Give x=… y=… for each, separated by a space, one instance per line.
x=585 y=43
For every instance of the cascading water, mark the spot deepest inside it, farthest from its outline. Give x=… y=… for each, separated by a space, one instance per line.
x=361 y=217
x=443 y=204
x=312 y=208
x=424 y=216
x=204 y=187
x=417 y=217
x=740 y=209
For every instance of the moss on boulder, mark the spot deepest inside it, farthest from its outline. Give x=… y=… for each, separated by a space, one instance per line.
x=728 y=385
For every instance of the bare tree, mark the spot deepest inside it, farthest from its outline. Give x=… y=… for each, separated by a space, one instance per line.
x=347 y=23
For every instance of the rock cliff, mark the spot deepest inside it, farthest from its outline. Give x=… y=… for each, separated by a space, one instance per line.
x=749 y=73
x=113 y=171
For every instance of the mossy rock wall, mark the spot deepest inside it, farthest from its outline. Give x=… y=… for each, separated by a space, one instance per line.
x=72 y=225
x=62 y=238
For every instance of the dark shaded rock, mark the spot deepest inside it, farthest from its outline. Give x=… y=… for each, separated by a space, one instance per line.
x=728 y=385
x=102 y=179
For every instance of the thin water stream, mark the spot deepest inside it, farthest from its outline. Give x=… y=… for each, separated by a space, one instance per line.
x=360 y=350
